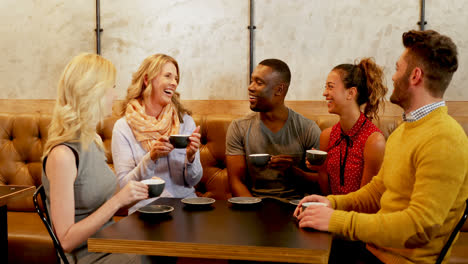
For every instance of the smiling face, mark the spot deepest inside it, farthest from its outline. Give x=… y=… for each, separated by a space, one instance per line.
x=164 y=85
x=261 y=88
x=401 y=95
x=335 y=93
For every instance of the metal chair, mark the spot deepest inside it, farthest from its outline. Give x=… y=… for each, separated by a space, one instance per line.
x=41 y=209
x=453 y=235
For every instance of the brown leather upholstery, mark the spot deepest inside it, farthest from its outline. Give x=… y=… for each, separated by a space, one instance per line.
x=21 y=141
x=214 y=182
x=22 y=137
x=28 y=240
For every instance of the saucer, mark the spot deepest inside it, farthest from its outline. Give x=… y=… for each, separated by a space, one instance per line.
x=156 y=209
x=294 y=202
x=198 y=201
x=244 y=200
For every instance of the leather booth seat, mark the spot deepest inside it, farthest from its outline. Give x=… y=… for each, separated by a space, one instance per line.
x=22 y=137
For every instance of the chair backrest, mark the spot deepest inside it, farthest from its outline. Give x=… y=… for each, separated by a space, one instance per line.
x=453 y=235
x=41 y=209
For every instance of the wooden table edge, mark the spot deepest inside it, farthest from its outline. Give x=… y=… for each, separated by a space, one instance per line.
x=15 y=195
x=213 y=251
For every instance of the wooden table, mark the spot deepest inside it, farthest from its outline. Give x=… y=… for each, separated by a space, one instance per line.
x=8 y=193
x=264 y=232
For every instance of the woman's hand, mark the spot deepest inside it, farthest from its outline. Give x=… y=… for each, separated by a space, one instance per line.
x=132 y=192
x=312 y=167
x=161 y=148
x=194 y=145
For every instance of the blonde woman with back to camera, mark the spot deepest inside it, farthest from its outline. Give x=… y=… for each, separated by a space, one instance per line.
x=78 y=183
x=151 y=112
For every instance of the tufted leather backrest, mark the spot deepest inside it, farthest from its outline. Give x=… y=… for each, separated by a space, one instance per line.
x=22 y=137
x=214 y=182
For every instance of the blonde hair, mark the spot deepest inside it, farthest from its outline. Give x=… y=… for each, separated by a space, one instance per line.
x=150 y=68
x=80 y=106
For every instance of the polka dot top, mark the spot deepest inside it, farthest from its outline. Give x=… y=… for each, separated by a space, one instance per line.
x=345 y=160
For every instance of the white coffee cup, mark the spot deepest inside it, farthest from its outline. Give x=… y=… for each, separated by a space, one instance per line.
x=305 y=205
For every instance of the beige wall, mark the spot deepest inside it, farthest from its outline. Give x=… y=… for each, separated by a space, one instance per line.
x=210 y=40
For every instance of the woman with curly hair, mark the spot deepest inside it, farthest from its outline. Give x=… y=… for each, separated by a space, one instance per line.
x=355 y=145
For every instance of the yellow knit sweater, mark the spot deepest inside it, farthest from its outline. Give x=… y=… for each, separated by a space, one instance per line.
x=407 y=212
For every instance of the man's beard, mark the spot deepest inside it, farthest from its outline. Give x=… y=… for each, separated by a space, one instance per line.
x=263 y=103
x=260 y=107
x=400 y=95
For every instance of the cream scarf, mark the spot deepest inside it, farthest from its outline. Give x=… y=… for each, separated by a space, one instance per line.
x=148 y=129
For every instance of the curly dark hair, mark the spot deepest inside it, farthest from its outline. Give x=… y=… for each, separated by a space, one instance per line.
x=435 y=54
x=368 y=78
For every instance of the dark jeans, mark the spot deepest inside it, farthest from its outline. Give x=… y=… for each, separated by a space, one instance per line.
x=351 y=252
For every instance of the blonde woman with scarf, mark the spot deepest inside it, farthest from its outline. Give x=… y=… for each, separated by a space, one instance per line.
x=151 y=113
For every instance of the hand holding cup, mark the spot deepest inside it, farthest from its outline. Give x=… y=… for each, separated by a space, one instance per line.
x=179 y=141
x=315 y=157
x=161 y=148
x=131 y=193
x=259 y=160
x=317 y=214
x=281 y=162
x=155 y=186
x=194 y=144
x=312 y=200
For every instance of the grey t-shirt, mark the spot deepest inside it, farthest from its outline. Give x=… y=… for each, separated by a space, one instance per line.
x=248 y=135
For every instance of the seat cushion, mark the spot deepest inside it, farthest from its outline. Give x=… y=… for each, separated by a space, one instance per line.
x=28 y=239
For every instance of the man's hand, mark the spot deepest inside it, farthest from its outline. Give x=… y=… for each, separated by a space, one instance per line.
x=281 y=162
x=315 y=216
x=311 y=198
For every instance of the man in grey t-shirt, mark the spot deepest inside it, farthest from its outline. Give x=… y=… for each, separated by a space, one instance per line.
x=273 y=129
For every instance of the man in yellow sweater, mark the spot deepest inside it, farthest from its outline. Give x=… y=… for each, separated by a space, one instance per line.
x=407 y=212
